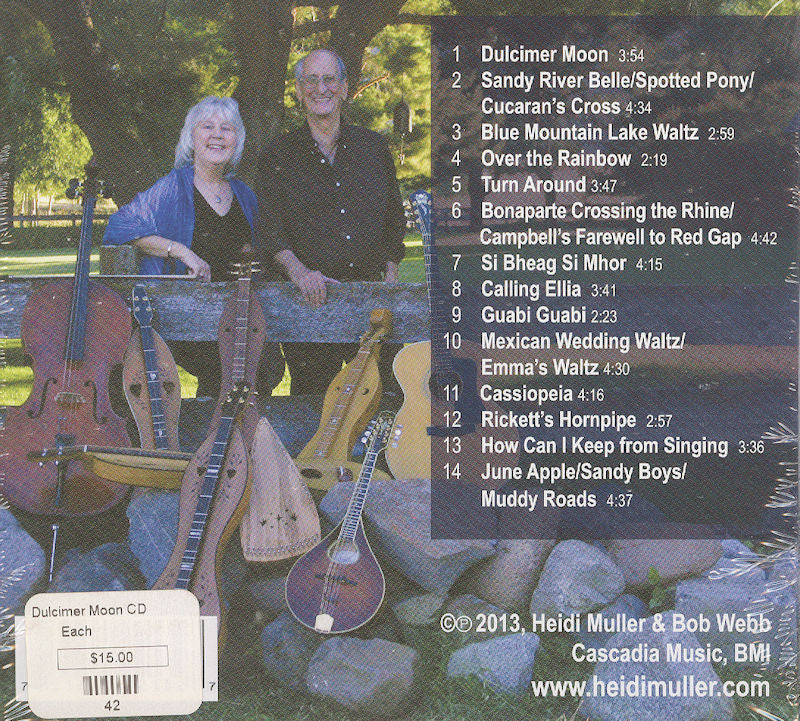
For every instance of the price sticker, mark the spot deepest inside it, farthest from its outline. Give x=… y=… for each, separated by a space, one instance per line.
x=114 y=653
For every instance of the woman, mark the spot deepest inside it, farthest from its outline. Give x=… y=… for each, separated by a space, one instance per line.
x=194 y=218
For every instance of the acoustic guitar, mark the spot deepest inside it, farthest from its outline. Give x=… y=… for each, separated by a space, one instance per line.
x=350 y=401
x=448 y=386
x=338 y=585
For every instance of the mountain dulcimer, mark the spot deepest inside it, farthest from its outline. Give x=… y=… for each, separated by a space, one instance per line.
x=214 y=494
x=150 y=380
x=350 y=401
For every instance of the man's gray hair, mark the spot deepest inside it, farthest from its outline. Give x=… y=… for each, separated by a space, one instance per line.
x=228 y=110
x=298 y=68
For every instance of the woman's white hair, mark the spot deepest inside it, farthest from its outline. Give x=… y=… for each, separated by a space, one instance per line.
x=228 y=110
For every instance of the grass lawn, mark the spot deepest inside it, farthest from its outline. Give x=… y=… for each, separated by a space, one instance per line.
x=246 y=694
x=16 y=377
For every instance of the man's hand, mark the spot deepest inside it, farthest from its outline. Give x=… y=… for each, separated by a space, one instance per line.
x=392 y=272
x=313 y=286
x=312 y=283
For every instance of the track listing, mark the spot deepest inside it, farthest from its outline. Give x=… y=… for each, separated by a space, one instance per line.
x=613 y=225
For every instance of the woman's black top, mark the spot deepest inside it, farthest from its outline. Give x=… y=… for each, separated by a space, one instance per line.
x=218 y=239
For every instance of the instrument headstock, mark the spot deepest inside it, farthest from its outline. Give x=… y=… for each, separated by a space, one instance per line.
x=91 y=187
x=421 y=202
x=236 y=400
x=380 y=323
x=247 y=265
x=382 y=433
x=142 y=310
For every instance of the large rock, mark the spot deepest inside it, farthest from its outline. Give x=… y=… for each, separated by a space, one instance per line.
x=505 y=664
x=22 y=563
x=682 y=706
x=419 y=609
x=110 y=567
x=577 y=578
x=743 y=598
x=470 y=606
x=624 y=608
x=153 y=516
x=673 y=558
x=376 y=678
x=399 y=517
x=508 y=578
x=288 y=647
x=334 y=504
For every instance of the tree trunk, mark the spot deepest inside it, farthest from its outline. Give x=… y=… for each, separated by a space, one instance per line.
x=263 y=32
x=102 y=116
x=355 y=25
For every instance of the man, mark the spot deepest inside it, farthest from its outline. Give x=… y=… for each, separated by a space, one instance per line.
x=331 y=209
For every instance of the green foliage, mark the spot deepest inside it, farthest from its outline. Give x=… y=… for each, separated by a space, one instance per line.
x=47 y=147
x=661 y=595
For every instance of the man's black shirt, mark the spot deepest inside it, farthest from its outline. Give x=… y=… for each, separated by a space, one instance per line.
x=344 y=219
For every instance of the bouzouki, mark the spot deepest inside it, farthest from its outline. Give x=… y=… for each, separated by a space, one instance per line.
x=213 y=499
x=150 y=379
x=447 y=382
x=350 y=401
x=338 y=585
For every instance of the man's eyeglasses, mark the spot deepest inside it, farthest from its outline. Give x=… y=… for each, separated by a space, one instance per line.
x=314 y=81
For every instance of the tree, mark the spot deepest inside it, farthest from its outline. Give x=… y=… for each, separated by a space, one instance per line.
x=132 y=68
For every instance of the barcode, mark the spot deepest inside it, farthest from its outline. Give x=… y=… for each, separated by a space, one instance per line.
x=111 y=685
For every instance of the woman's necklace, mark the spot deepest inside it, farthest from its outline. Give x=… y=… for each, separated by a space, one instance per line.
x=216 y=193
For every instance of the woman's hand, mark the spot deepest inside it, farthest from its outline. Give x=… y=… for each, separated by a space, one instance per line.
x=165 y=248
x=195 y=265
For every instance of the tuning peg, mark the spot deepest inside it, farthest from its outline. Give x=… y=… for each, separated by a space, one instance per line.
x=107 y=189
x=72 y=189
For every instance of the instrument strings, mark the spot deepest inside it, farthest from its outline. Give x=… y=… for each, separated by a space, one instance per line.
x=332 y=583
x=345 y=397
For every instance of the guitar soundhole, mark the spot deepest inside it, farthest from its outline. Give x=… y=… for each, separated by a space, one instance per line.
x=344 y=552
x=439 y=382
x=231 y=472
x=312 y=473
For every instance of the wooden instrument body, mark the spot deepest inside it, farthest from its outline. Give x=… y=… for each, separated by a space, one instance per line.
x=282 y=520
x=426 y=377
x=49 y=413
x=409 y=453
x=228 y=506
x=234 y=369
x=134 y=380
x=359 y=586
x=322 y=472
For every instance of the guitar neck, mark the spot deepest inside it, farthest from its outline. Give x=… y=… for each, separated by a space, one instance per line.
x=441 y=358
